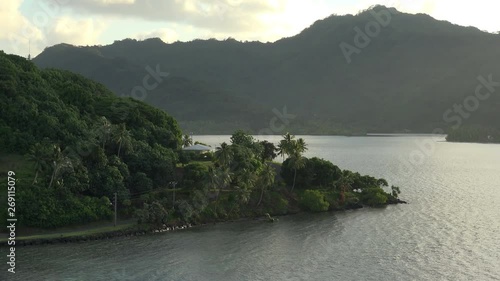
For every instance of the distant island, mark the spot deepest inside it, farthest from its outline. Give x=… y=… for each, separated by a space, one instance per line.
x=474 y=134
x=79 y=152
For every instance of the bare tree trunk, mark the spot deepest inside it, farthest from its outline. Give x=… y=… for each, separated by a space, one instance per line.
x=294 y=177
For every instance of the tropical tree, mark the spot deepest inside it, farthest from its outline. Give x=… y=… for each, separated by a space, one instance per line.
x=154 y=214
x=295 y=148
x=187 y=140
x=223 y=155
x=59 y=163
x=122 y=137
x=268 y=152
x=219 y=178
x=241 y=138
x=395 y=191
x=345 y=183
x=245 y=182
x=104 y=131
x=285 y=145
x=266 y=179
x=297 y=162
x=299 y=146
x=39 y=158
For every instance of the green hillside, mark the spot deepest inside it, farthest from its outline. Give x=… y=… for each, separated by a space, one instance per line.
x=72 y=144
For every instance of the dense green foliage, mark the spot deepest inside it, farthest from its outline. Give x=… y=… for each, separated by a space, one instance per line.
x=403 y=80
x=81 y=142
x=314 y=200
x=316 y=172
x=74 y=145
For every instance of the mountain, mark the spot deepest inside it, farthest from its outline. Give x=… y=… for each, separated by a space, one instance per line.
x=406 y=77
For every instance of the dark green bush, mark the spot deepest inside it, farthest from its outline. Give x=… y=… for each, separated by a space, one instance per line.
x=373 y=196
x=194 y=175
x=314 y=200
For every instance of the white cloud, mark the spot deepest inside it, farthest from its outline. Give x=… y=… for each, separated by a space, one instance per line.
x=218 y=15
x=165 y=34
x=46 y=25
x=76 y=32
x=16 y=30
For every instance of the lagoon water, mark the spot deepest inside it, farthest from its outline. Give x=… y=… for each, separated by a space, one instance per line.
x=450 y=230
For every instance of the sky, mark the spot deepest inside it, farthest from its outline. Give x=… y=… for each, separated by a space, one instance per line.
x=29 y=26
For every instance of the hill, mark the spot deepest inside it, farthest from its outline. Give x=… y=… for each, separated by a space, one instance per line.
x=71 y=144
x=403 y=79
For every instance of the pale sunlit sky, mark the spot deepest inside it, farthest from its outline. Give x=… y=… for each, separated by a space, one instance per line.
x=90 y=22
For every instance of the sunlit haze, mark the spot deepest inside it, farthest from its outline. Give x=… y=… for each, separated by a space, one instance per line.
x=93 y=22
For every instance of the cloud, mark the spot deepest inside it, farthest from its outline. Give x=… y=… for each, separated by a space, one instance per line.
x=76 y=32
x=16 y=30
x=217 y=15
x=47 y=24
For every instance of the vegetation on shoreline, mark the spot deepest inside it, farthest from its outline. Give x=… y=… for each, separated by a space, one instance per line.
x=241 y=180
x=474 y=134
x=75 y=145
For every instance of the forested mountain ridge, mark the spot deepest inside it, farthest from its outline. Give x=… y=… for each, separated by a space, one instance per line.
x=404 y=79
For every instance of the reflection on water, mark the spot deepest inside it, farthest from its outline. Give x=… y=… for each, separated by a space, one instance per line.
x=449 y=231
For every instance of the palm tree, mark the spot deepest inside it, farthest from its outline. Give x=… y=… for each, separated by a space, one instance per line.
x=224 y=155
x=187 y=141
x=295 y=149
x=285 y=145
x=218 y=178
x=266 y=179
x=297 y=162
x=246 y=180
x=59 y=162
x=104 y=131
x=122 y=137
x=344 y=183
x=39 y=159
x=299 y=146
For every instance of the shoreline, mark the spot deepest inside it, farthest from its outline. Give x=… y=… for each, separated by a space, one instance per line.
x=137 y=230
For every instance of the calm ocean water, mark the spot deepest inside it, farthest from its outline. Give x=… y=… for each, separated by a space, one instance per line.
x=450 y=230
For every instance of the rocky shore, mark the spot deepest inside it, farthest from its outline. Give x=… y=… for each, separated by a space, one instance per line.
x=137 y=231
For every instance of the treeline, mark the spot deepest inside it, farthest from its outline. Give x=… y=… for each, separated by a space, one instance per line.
x=240 y=180
x=474 y=134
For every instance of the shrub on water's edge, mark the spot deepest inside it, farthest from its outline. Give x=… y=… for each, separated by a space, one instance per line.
x=314 y=200
x=374 y=196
